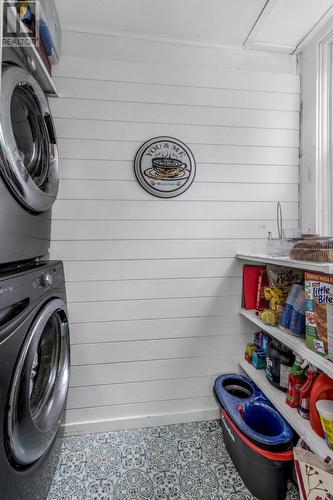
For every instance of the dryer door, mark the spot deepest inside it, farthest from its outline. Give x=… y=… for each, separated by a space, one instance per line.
x=39 y=387
x=28 y=147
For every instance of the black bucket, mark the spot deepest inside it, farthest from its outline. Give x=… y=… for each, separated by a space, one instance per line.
x=265 y=473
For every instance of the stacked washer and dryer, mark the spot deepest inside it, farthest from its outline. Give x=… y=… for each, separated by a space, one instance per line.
x=34 y=333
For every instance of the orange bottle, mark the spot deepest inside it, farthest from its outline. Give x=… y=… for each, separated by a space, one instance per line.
x=322 y=389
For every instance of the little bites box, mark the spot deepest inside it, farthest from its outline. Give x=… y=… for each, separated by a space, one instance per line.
x=319 y=313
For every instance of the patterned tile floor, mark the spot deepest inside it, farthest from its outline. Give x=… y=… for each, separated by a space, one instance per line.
x=174 y=462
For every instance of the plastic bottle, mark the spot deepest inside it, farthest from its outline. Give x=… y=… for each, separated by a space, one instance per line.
x=304 y=399
x=322 y=389
x=296 y=380
x=279 y=361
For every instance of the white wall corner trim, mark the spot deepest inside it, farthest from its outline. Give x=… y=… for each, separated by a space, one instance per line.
x=137 y=422
x=271 y=47
x=146 y=36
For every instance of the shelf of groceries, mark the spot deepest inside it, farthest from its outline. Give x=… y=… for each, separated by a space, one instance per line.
x=278 y=398
x=320 y=267
x=297 y=344
x=31 y=53
x=291 y=303
x=319 y=271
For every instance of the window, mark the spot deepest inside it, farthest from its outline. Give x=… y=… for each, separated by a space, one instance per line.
x=324 y=136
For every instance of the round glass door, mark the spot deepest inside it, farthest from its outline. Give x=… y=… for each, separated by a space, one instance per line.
x=30 y=134
x=40 y=385
x=29 y=150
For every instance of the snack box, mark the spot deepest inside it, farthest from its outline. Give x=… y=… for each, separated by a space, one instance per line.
x=261 y=340
x=259 y=359
x=319 y=313
x=249 y=351
x=261 y=302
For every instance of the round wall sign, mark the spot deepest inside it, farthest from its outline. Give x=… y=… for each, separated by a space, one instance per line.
x=165 y=167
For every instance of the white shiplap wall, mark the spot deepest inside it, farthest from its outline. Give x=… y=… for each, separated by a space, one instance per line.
x=153 y=288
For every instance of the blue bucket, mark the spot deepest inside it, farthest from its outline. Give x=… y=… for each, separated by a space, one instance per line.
x=253 y=413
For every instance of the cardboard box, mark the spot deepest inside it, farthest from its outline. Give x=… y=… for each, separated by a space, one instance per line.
x=250 y=285
x=319 y=313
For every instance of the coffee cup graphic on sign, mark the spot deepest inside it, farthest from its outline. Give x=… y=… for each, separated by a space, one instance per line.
x=165 y=167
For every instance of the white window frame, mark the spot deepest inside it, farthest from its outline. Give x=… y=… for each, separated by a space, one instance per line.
x=324 y=136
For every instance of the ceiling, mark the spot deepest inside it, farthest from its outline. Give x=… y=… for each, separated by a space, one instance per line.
x=278 y=25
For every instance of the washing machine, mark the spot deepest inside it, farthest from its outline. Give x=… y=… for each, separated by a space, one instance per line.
x=28 y=162
x=34 y=377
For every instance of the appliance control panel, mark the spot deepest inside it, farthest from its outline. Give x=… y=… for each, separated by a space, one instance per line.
x=46 y=280
x=31 y=284
x=52 y=276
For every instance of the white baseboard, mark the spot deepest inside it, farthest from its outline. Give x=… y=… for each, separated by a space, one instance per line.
x=106 y=425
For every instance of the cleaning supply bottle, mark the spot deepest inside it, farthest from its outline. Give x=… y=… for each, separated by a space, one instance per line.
x=322 y=389
x=296 y=380
x=304 y=399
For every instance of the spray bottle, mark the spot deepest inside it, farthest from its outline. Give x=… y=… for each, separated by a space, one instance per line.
x=297 y=379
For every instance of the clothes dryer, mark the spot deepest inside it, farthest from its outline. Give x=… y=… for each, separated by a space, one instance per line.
x=28 y=162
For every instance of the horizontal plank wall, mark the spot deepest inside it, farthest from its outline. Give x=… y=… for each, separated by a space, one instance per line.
x=153 y=287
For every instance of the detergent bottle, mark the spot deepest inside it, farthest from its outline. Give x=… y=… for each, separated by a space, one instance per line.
x=304 y=400
x=322 y=389
x=296 y=380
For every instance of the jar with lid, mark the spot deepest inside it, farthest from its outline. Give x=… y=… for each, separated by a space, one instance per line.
x=279 y=362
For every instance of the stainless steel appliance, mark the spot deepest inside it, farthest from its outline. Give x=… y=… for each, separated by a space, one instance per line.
x=28 y=163
x=34 y=375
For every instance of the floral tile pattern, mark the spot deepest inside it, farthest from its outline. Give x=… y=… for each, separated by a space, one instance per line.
x=174 y=462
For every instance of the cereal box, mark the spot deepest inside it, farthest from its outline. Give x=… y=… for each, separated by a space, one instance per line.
x=319 y=313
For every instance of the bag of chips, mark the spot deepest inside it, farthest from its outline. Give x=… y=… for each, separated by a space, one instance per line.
x=279 y=276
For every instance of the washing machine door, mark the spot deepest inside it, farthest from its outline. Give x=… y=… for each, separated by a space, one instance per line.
x=39 y=386
x=28 y=147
